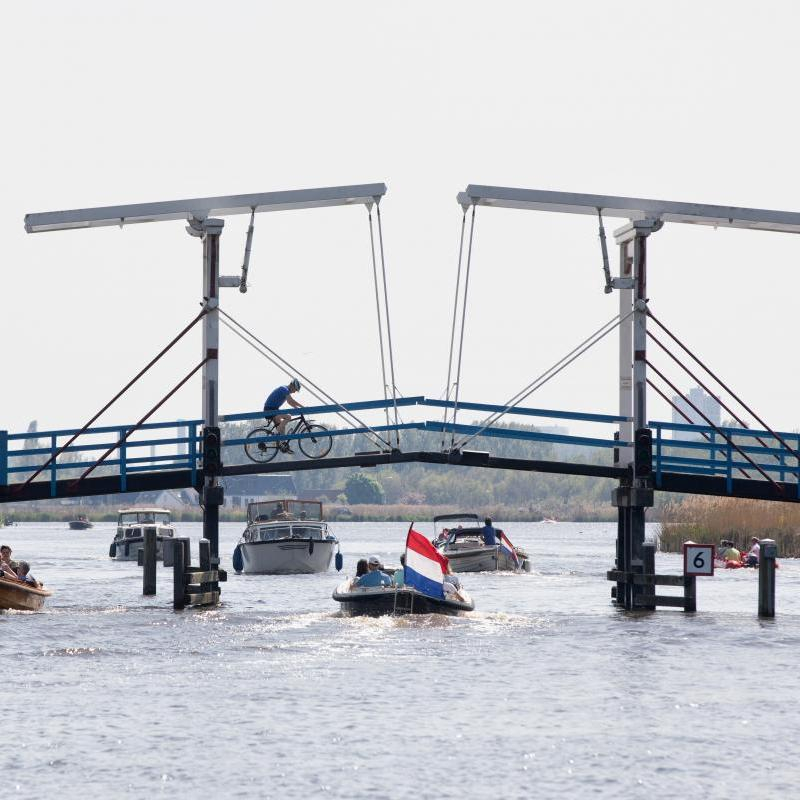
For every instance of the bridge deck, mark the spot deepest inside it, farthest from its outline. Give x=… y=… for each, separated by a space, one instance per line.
x=686 y=458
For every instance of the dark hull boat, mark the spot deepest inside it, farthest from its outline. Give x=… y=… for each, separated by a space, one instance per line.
x=379 y=601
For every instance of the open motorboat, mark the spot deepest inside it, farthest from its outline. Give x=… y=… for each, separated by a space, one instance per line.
x=80 y=523
x=376 y=601
x=285 y=537
x=460 y=538
x=22 y=596
x=131 y=525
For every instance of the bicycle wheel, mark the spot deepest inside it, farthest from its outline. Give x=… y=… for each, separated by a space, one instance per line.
x=261 y=452
x=318 y=445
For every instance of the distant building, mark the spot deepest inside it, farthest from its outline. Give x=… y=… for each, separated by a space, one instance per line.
x=243 y=489
x=706 y=403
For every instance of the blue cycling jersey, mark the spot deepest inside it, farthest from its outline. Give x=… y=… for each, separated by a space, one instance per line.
x=276 y=399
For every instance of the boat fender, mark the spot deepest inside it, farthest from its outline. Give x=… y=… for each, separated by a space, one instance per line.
x=238 y=561
x=310 y=546
x=339 y=561
x=112 y=551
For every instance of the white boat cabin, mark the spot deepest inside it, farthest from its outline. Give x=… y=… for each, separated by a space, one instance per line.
x=271 y=520
x=131 y=522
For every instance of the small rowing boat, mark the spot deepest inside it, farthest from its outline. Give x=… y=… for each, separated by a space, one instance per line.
x=22 y=596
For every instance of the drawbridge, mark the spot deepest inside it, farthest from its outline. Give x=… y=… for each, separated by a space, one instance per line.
x=746 y=459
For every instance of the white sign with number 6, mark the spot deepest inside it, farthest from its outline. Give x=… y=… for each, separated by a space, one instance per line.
x=698 y=559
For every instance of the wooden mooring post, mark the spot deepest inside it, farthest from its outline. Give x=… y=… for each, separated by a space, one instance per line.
x=149 y=562
x=193 y=586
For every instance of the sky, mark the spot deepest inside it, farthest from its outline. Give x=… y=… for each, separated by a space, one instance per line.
x=125 y=102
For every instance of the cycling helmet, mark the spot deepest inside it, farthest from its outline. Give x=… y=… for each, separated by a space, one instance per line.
x=294 y=385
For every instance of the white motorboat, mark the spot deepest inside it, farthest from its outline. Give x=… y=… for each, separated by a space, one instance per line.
x=285 y=537
x=131 y=525
x=460 y=538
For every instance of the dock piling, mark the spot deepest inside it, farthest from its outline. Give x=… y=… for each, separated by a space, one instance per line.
x=181 y=555
x=149 y=564
x=766 y=577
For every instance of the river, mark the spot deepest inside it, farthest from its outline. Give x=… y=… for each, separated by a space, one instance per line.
x=545 y=690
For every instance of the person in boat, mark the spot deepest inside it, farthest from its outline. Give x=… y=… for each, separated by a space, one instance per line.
x=374 y=576
x=362 y=567
x=489 y=533
x=452 y=585
x=751 y=559
x=399 y=576
x=277 y=397
x=7 y=566
x=24 y=574
x=451 y=578
x=444 y=533
x=730 y=552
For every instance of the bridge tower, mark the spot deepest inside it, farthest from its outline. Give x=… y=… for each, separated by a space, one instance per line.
x=635 y=495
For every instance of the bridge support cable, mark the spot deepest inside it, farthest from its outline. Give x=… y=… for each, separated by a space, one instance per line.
x=138 y=424
x=463 y=323
x=700 y=383
x=547 y=375
x=287 y=367
x=113 y=400
x=716 y=428
x=447 y=386
x=680 y=411
x=388 y=323
x=723 y=385
x=378 y=310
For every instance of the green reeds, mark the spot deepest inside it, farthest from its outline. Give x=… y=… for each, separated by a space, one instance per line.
x=709 y=519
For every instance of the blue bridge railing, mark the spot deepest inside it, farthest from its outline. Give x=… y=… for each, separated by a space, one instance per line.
x=701 y=450
x=176 y=445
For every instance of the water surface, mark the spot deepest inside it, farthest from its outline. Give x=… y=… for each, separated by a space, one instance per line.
x=545 y=690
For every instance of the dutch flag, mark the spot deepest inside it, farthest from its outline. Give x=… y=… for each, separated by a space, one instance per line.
x=425 y=566
x=505 y=543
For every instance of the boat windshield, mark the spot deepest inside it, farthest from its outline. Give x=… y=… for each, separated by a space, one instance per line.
x=310 y=510
x=308 y=531
x=144 y=517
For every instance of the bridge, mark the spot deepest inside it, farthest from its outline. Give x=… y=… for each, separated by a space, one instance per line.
x=644 y=455
x=682 y=459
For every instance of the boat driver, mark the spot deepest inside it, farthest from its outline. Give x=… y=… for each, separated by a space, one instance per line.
x=489 y=533
x=277 y=397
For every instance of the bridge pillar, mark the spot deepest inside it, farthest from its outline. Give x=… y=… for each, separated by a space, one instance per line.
x=633 y=497
x=211 y=494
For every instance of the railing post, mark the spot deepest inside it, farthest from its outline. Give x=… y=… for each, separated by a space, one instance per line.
x=729 y=468
x=658 y=455
x=149 y=571
x=3 y=458
x=192 y=449
x=53 y=466
x=713 y=440
x=123 y=466
x=768 y=552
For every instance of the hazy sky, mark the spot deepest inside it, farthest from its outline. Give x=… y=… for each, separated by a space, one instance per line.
x=110 y=103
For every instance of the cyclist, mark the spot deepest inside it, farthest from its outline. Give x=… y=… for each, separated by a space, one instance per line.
x=277 y=397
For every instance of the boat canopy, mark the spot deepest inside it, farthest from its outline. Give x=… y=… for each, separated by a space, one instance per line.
x=463 y=517
x=268 y=510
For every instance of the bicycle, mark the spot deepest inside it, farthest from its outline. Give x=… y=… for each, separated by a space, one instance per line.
x=318 y=445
